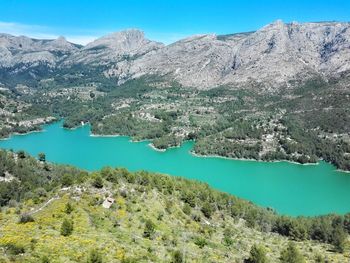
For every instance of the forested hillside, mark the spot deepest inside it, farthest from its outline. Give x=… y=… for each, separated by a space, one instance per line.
x=54 y=213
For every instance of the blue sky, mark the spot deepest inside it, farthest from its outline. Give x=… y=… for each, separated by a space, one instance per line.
x=165 y=21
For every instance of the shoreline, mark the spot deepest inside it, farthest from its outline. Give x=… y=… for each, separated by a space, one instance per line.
x=41 y=129
x=115 y=136
x=156 y=149
x=150 y=144
x=251 y=160
x=105 y=136
x=21 y=134
x=162 y=150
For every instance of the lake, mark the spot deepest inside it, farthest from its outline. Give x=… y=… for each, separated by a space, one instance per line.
x=288 y=188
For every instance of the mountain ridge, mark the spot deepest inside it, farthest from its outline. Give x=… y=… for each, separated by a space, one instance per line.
x=273 y=56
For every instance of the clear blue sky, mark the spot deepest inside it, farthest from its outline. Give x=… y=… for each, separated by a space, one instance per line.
x=164 y=21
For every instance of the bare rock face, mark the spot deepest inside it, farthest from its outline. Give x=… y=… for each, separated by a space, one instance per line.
x=31 y=52
x=124 y=45
x=280 y=52
x=273 y=56
x=196 y=61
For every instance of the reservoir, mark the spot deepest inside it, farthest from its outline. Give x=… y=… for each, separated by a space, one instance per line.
x=289 y=188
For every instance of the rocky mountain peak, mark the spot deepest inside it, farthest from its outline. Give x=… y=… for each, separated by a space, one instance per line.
x=60 y=39
x=276 y=24
x=60 y=44
x=273 y=55
x=123 y=41
x=115 y=47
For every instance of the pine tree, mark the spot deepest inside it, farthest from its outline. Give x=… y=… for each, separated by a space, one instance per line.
x=66 y=227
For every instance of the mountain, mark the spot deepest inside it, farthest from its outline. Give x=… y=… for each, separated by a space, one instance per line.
x=16 y=51
x=25 y=60
x=267 y=95
x=274 y=56
x=124 y=45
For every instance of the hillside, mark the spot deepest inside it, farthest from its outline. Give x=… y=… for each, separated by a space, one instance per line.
x=279 y=93
x=53 y=213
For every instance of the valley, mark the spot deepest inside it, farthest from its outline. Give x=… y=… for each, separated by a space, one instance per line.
x=214 y=148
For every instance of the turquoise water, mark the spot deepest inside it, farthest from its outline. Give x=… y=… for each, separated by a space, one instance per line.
x=288 y=188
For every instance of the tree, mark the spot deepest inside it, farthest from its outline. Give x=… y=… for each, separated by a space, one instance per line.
x=149 y=229
x=192 y=136
x=95 y=257
x=66 y=227
x=21 y=154
x=109 y=174
x=338 y=239
x=67 y=180
x=98 y=181
x=291 y=255
x=178 y=257
x=207 y=209
x=257 y=255
x=92 y=95
x=68 y=209
x=42 y=157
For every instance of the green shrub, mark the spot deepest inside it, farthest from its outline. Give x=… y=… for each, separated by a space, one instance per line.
x=67 y=227
x=227 y=241
x=177 y=257
x=339 y=239
x=291 y=254
x=42 y=157
x=26 y=218
x=97 y=181
x=149 y=229
x=67 y=180
x=187 y=209
x=207 y=209
x=21 y=154
x=320 y=259
x=200 y=242
x=14 y=249
x=257 y=255
x=45 y=259
x=68 y=209
x=95 y=257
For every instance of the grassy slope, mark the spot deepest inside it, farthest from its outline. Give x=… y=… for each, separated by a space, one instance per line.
x=118 y=232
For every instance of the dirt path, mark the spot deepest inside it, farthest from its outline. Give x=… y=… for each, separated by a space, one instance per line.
x=44 y=205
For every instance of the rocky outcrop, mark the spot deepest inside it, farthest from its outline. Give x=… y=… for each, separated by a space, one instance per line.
x=120 y=46
x=273 y=56
x=23 y=50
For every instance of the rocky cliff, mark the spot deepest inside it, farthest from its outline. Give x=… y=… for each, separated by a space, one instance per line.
x=275 y=55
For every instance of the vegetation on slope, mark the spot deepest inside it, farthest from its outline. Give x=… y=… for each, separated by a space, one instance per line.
x=306 y=123
x=54 y=213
